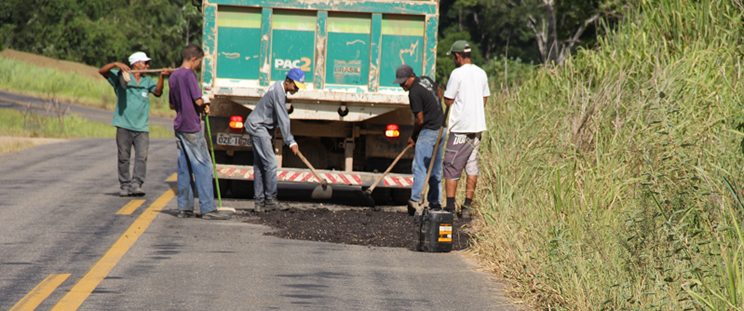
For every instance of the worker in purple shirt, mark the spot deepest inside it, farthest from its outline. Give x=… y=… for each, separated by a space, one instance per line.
x=269 y=113
x=193 y=156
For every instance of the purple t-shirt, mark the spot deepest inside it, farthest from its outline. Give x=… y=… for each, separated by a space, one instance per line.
x=184 y=90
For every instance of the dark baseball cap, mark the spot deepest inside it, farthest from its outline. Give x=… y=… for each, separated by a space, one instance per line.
x=459 y=47
x=402 y=74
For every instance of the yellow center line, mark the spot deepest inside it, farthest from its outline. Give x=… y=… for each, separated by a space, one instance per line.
x=34 y=298
x=173 y=177
x=130 y=207
x=85 y=286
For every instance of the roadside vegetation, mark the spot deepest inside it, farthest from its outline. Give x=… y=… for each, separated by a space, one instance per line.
x=14 y=145
x=614 y=181
x=52 y=79
x=18 y=124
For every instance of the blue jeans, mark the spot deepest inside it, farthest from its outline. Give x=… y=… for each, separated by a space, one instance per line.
x=193 y=158
x=424 y=151
x=264 y=169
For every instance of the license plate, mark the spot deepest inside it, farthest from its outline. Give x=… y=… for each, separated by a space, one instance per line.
x=233 y=140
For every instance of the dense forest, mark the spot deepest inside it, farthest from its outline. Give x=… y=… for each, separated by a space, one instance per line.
x=96 y=32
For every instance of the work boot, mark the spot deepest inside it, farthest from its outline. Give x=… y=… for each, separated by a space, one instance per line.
x=435 y=207
x=124 y=191
x=215 y=215
x=414 y=207
x=465 y=212
x=272 y=204
x=136 y=191
x=259 y=206
x=185 y=214
x=451 y=211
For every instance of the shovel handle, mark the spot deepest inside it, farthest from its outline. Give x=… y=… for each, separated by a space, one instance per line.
x=434 y=154
x=147 y=71
x=302 y=157
x=370 y=189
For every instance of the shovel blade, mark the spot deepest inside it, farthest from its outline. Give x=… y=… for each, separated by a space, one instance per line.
x=322 y=192
x=226 y=210
x=366 y=197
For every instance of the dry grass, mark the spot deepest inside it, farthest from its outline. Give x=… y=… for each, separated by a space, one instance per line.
x=15 y=144
x=613 y=182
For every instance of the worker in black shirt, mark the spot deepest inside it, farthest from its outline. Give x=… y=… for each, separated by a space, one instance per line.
x=427 y=110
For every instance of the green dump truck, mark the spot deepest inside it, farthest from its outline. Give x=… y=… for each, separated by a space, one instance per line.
x=351 y=121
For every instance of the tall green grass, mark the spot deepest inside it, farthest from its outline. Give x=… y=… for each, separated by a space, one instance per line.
x=613 y=182
x=47 y=83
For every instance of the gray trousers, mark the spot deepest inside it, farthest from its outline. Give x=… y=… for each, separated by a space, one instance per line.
x=125 y=139
x=264 y=169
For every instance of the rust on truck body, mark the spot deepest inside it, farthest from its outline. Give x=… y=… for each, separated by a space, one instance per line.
x=349 y=51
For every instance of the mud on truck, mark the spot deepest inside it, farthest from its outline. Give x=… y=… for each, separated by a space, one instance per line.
x=351 y=121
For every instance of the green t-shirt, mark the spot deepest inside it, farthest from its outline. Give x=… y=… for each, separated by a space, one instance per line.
x=132 y=103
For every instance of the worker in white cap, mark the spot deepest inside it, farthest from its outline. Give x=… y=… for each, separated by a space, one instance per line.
x=131 y=118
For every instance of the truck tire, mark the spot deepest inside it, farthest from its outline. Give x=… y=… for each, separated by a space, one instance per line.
x=401 y=196
x=234 y=188
x=241 y=188
x=220 y=156
x=381 y=196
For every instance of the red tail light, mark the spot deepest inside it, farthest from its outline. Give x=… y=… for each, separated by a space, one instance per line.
x=392 y=132
x=236 y=124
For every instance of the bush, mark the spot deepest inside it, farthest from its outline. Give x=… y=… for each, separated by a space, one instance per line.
x=612 y=182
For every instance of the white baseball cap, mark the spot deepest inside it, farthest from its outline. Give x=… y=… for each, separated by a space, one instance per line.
x=138 y=57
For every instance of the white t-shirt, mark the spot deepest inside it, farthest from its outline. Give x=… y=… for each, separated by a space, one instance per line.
x=467 y=85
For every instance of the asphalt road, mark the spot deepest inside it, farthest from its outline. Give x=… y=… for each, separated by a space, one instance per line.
x=23 y=102
x=59 y=203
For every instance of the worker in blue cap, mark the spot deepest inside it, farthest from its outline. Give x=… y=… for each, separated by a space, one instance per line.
x=269 y=113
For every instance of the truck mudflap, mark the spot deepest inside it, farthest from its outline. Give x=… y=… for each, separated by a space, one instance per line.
x=297 y=175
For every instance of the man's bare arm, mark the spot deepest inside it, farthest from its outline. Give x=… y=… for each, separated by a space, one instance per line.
x=159 y=87
x=106 y=69
x=417 y=125
x=419 y=119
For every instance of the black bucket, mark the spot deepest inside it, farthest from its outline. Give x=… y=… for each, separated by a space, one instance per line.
x=432 y=231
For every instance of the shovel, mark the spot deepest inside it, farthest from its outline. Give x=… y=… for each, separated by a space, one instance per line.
x=324 y=191
x=125 y=76
x=433 y=157
x=368 y=193
x=220 y=209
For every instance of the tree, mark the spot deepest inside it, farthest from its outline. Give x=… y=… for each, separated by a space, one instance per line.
x=445 y=64
x=558 y=26
x=497 y=27
x=531 y=30
x=97 y=32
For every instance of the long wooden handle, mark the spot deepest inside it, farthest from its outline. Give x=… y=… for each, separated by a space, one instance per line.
x=434 y=154
x=128 y=78
x=302 y=157
x=147 y=71
x=388 y=169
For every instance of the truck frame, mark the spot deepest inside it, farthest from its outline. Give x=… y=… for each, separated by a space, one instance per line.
x=351 y=121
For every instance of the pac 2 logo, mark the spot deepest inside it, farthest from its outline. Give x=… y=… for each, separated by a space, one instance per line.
x=303 y=63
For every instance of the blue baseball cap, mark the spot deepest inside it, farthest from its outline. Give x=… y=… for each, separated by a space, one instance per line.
x=298 y=76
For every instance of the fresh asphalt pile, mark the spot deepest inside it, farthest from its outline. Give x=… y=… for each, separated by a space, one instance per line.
x=357 y=226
